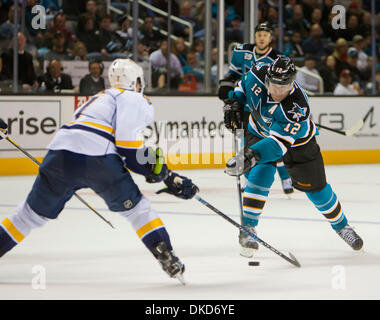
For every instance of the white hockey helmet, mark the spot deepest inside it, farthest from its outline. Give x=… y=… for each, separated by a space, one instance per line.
x=124 y=73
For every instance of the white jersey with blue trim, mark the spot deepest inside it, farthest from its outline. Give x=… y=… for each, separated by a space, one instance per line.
x=113 y=119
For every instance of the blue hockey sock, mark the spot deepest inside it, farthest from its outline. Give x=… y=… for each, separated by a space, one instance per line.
x=260 y=180
x=328 y=204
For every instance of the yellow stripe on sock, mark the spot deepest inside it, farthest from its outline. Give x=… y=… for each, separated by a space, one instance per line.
x=9 y=226
x=149 y=226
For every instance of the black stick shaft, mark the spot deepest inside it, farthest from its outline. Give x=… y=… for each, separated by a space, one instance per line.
x=208 y=205
x=77 y=196
x=331 y=129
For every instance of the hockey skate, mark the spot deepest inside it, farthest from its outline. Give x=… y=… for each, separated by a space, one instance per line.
x=287 y=186
x=248 y=245
x=351 y=237
x=169 y=262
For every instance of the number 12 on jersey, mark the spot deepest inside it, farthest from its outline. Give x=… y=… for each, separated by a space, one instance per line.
x=292 y=129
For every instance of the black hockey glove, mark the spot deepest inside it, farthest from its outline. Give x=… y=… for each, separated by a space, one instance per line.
x=225 y=86
x=3 y=129
x=233 y=114
x=243 y=161
x=179 y=186
x=159 y=168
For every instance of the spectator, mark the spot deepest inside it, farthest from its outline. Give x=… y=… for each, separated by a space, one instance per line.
x=307 y=8
x=159 y=67
x=314 y=44
x=26 y=73
x=365 y=24
x=340 y=54
x=235 y=31
x=180 y=50
x=4 y=10
x=106 y=37
x=182 y=30
x=7 y=29
x=358 y=44
x=93 y=82
x=192 y=67
x=214 y=68
x=328 y=72
x=59 y=25
x=327 y=9
x=272 y=16
x=87 y=33
x=58 y=50
x=80 y=51
x=299 y=23
x=351 y=29
x=307 y=81
x=350 y=64
x=151 y=38
x=92 y=10
x=54 y=80
x=296 y=41
x=124 y=35
x=345 y=86
x=142 y=52
x=316 y=16
x=199 y=49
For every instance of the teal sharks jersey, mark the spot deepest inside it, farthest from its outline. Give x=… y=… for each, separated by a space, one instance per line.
x=286 y=123
x=244 y=58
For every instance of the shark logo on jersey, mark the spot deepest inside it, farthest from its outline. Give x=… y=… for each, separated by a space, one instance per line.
x=297 y=112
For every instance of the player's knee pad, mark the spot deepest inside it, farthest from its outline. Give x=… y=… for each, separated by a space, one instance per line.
x=262 y=175
x=22 y=221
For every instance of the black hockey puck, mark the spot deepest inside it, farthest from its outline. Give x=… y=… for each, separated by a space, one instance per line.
x=253 y=263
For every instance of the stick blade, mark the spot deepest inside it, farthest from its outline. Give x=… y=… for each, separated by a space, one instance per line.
x=355 y=128
x=295 y=261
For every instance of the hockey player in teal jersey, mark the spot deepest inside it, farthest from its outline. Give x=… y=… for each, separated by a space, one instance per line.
x=280 y=127
x=244 y=57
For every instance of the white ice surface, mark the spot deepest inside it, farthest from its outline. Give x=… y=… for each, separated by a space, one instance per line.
x=84 y=258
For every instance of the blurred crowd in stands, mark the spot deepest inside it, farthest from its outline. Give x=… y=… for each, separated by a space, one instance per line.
x=82 y=30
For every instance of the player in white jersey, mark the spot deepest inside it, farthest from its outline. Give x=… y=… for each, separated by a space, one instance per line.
x=95 y=150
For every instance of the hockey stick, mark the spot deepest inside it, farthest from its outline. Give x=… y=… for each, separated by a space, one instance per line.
x=292 y=258
x=3 y=135
x=238 y=184
x=349 y=132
